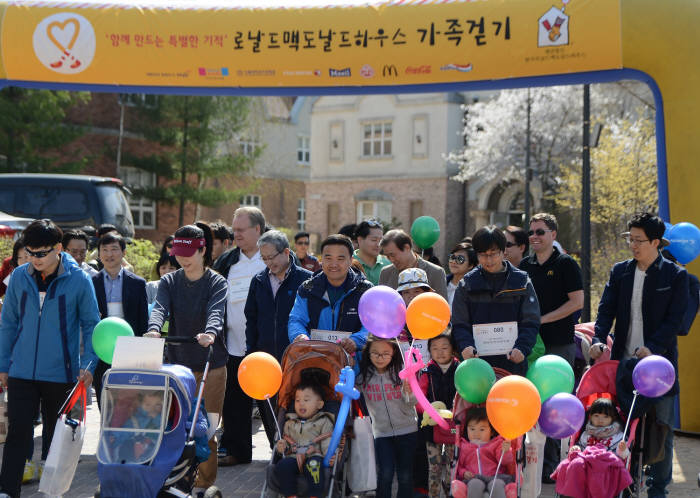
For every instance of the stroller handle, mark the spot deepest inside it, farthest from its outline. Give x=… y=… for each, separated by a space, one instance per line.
x=190 y=340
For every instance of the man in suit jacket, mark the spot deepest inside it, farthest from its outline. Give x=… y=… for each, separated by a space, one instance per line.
x=119 y=293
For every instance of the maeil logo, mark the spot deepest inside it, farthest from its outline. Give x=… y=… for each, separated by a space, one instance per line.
x=339 y=73
x=135 y=379
x=65 y=43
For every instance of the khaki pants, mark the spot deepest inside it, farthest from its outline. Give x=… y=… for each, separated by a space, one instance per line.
x=214 y=391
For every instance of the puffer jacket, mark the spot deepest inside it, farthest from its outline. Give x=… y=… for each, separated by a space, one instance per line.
x=307 y=432
x=483 y=460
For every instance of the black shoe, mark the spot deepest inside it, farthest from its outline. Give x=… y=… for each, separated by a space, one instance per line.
x=547 y=480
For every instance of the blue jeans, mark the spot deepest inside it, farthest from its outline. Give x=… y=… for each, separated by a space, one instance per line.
x=395 y=454
x=660 y=473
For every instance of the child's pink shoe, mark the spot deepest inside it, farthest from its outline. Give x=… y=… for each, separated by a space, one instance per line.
x=459 y=489
x=511 y=490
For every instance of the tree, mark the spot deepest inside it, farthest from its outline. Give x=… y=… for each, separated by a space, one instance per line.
x=197 y=138
x=33 y=128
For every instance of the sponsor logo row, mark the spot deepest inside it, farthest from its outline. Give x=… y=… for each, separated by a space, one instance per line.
x=366 y=71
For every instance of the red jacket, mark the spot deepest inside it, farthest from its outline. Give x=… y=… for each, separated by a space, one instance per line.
x=483 y=460
x=5 y=270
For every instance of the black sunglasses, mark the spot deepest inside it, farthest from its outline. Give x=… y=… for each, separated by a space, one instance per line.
x=511 y=244
x=38 y=254
x=540 y=232
x=302 y=242
x=458 y=258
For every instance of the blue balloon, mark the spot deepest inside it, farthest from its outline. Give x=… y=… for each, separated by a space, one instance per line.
x=668 y=226
x=685 y=242
x=346 y=387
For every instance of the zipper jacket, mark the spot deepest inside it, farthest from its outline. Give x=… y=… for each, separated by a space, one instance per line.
x=392 y=412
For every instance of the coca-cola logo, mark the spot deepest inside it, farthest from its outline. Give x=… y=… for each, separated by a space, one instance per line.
x=423 y=69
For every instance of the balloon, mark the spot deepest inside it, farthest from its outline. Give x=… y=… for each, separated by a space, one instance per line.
x=551 y=374
x=425 y=231
x=104 y=336
x=442 y=410
x=473 y=380
x=382 y=311
x=685 y=242
x=427 y=315
x=513 y=406
x=668 y=226
x=562 y=415
x=653 y=376
x=411 y=368
x=346 y=387
x=260 y=375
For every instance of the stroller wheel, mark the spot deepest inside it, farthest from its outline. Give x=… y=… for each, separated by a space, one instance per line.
x=213 y=492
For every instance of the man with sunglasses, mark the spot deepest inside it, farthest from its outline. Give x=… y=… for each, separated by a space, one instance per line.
x=49 y=303
x=559 y=287
x=301 y=249
x=369 y=235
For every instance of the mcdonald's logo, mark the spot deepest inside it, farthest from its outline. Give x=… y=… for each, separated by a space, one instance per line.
x=390 y=70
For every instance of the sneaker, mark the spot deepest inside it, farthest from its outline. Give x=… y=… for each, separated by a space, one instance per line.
x=31 y=472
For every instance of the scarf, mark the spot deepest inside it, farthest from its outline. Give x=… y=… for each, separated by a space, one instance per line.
x=600 y=433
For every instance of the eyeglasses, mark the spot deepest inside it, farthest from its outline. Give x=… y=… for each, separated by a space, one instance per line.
x=302 y=243
x=634 y=242
x=511 y=244
x=267 y=259
x=489 y=255
x=458 y=258
x=38 y=254
x=540 y=232
x=382 y=356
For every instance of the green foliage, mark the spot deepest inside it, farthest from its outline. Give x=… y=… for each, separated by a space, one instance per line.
x=142 y=254
x=6 y=244
x=33 y=127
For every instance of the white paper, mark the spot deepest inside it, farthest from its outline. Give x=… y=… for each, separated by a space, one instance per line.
x=238 y=289
x=494 y=338
x=138 y=352
x=419 y=344
x=329 y=335
x=115 y=309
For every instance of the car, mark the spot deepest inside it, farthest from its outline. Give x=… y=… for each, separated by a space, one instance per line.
x=12 y=226
x=71 y=201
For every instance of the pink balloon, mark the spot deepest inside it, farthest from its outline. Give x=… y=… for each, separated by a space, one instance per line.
x=409 y=373
x=382 y=311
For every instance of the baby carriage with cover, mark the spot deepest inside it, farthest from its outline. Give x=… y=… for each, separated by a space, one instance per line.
x=153 y=432
x=318 y=362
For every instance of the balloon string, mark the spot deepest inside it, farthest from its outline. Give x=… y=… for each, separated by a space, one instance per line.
x=495 y=476
x=629 y=417
x=274 y=416
x=400 y=352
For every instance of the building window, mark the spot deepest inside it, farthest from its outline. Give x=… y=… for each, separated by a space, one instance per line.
x=301 y=214
x=248 y=147
x=379 y=210
x=304 y=150
x=376 y=139
x=142 y=210
x=138 y=99
x=251 y=200
x=416 y=210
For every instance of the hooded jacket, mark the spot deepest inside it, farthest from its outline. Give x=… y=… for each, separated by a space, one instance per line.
x=42 y=342
x=483 y=460
x=438 y=385
x=392 y=413
x=305 y=432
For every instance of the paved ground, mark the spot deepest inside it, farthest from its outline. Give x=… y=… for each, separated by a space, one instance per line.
x=246 y=480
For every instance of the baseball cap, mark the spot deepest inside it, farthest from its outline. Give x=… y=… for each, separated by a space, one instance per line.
x=411 y=278
x=186 y=247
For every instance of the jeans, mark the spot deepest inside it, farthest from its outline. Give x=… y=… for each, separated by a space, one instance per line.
x=660 y=473
x=287 y=472
x=395 y=453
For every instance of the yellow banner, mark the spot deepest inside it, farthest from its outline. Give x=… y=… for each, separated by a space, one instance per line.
x=340 y=46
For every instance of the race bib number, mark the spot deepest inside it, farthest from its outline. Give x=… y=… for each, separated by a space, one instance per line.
x=419 y=344
x=329 y=335
x=492 y=339
x=238 y=289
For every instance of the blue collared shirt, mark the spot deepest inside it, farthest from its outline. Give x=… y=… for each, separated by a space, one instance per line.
x=113 y=287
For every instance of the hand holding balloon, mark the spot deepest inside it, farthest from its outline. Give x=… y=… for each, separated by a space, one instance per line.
x=409 y=373
x=346 y=387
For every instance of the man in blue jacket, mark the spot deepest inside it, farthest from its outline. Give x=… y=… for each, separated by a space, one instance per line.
x=329 y=300
x=270 y=299
x=49 y=302
x=646 y=297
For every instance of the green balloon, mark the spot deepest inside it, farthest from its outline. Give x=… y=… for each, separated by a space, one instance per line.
x=551 y=375
x=473 y=380
x=425 y=231
x=104 y=337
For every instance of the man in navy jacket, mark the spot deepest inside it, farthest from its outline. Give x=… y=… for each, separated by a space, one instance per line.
x=646 y=297
x=271 y=296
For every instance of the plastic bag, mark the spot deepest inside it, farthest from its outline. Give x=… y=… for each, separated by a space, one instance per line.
x=362 y=471
x=66 y=445
x=534 y=455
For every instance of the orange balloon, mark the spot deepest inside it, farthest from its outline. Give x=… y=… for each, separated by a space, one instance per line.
x=260 y=375
x=427 y=315
x=513 y=406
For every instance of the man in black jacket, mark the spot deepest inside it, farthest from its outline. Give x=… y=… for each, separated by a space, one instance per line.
x=646 y=297
x=119 y=293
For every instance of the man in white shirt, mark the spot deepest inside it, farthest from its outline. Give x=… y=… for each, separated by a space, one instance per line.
x=238 y=266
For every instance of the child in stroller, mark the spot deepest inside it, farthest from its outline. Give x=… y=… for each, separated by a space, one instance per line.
x=305 y=440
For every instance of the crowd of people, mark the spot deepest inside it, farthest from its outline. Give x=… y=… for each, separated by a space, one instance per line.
x=244 y=289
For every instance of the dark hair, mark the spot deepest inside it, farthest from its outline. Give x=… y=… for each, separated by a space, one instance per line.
x=42 y=233
x=19 y=244
x=604 y=406
x=166 y=258
x=398 y=237
x=447 y=334
x=652 y=225
x=111 y=238
x=471 y=253
x=74 y=235
x=317 y=389
x=299 y=235
x=520 y=236
x=348 y=230
x=394 y=366
x=477 y=414
x=548 y=219
x=220 y=231
x=669 y=256
x=338 y=240
x=366 y=226
x=106 y=228
x=197 y=231
x=487 y=237
x=89 y=230
x=164 y=248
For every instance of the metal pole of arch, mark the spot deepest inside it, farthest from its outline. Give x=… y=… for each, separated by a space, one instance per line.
x=528 y=172
x=586 y=206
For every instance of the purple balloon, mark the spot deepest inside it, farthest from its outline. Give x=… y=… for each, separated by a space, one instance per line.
x=382 y=311
x=653 y=376
x=561 y=415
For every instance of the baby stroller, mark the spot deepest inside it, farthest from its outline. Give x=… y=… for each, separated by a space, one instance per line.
x=319 y=362
x=583 y=338
x=459 y=411
x=150 y=422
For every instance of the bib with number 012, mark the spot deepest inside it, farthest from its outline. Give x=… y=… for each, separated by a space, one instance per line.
x=329 y=335
x=492 y=339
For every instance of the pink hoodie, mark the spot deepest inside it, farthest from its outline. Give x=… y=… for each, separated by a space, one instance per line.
x=594 y=472
x=483 y=460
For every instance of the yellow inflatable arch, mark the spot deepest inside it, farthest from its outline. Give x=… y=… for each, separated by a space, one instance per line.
x=287 y=47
